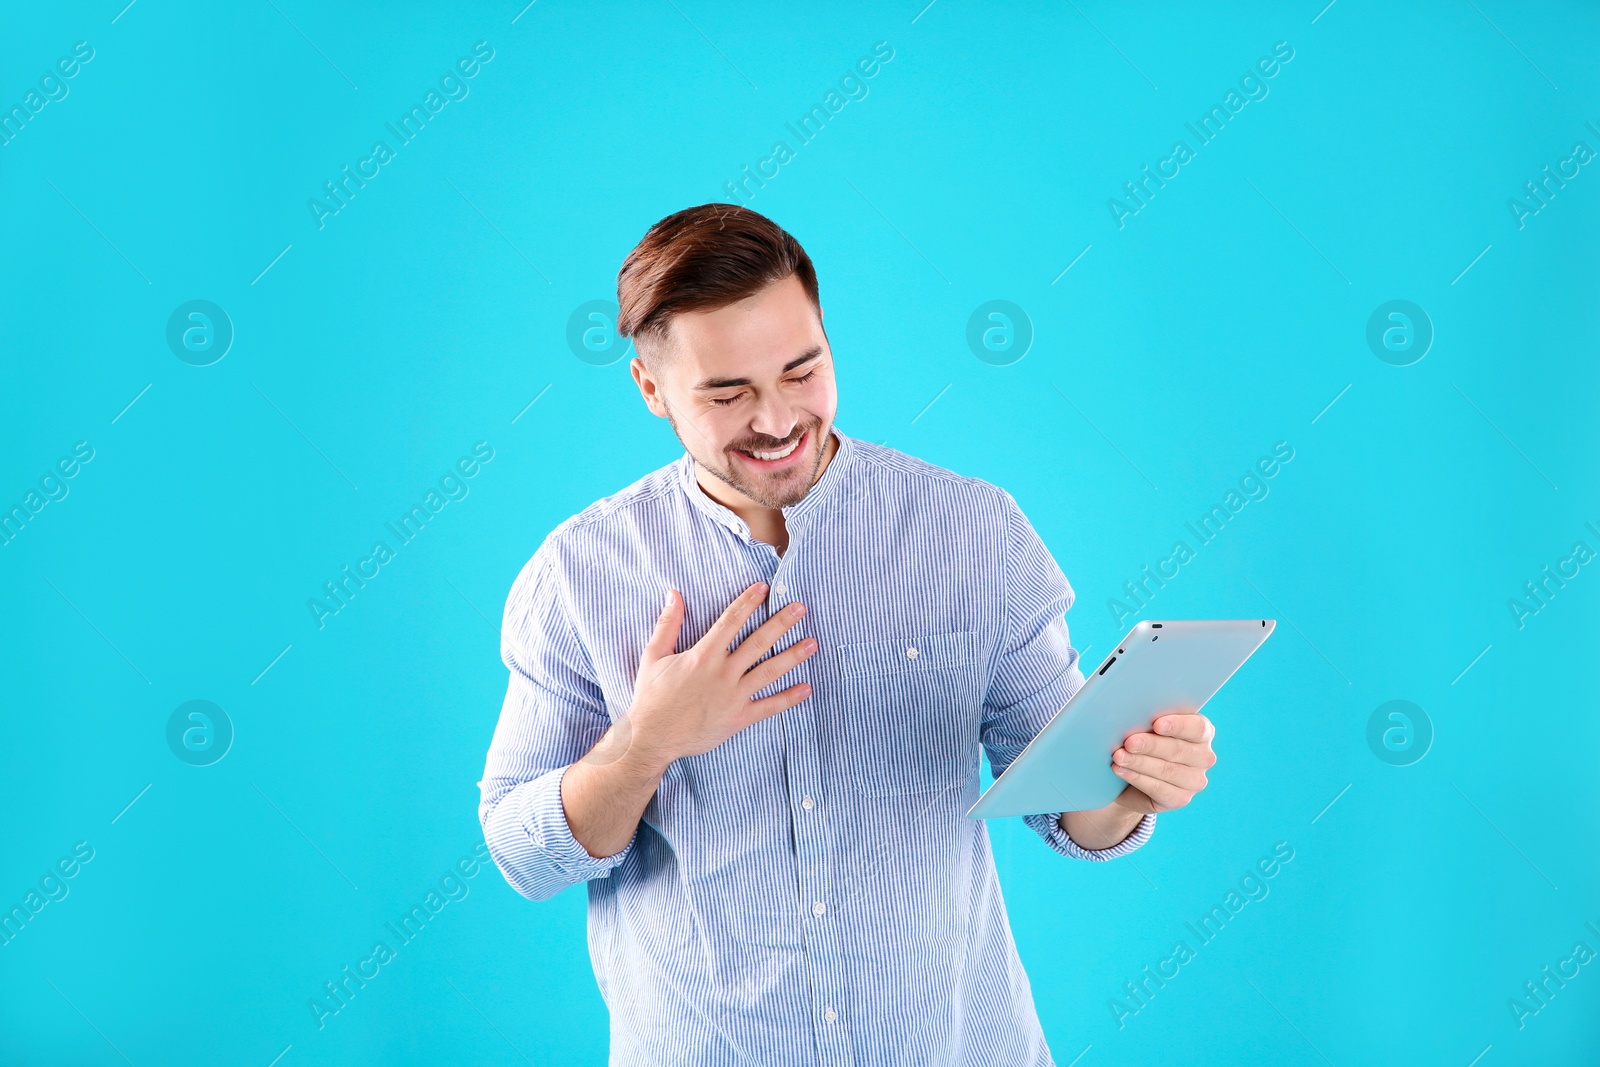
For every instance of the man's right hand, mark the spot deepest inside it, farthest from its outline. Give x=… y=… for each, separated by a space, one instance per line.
x=686 y=703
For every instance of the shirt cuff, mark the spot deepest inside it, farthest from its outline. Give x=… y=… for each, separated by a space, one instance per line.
x=1049 y=827
x=545 y=820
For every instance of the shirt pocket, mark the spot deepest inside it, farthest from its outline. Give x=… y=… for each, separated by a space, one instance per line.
x=914 y=709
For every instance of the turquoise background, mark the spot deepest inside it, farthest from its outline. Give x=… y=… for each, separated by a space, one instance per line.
x=369 y=355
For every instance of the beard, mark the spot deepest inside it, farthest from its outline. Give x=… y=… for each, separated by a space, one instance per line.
x=781 y=490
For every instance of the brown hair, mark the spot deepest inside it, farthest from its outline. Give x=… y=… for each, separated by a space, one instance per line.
x=700 y=259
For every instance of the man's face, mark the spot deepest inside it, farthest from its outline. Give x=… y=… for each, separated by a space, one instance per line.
x=749 y=390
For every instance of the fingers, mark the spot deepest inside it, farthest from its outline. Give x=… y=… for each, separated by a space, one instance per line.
x=1168 y=764
x=772 y=668
x=1163 y=795
x=1190 y=726
x=759 y=643
x=766 y=707
x=1172 y=749
x=664 y=639
x=1180 y=775
x=732 y=619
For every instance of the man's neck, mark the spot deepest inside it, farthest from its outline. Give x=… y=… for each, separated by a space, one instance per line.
x=766 y=524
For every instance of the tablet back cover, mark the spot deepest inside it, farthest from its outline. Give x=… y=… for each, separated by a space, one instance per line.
x=1156 y=667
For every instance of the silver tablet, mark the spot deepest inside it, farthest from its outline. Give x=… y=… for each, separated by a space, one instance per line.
x=1156 y=668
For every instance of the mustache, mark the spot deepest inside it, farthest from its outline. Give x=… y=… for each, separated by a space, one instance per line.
x=762 y=447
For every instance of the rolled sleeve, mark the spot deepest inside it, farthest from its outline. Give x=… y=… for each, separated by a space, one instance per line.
x=1049 y=827
x=1036 y=670
x=533 y=833
x=554 y=713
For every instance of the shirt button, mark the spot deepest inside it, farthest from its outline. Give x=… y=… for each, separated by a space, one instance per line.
x=818 y=908
x=912 y=653
x=779 y=589
x=806 y=802
x=830 y=1015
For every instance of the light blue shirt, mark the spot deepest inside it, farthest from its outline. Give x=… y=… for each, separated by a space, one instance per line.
x=809 y=892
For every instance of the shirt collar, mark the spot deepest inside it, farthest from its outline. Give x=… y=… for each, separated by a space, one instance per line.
x=795 y=516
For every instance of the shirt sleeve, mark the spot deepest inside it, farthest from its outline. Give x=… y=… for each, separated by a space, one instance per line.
x=554 y=713
x=1036 y=671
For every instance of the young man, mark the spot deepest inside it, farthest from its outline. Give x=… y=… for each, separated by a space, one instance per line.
x=778 y=865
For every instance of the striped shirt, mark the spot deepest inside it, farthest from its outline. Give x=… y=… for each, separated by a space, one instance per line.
x=809 y=892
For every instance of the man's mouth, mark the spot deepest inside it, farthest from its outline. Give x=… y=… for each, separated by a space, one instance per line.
x=775 y=459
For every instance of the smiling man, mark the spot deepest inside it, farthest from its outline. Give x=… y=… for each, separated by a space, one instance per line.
x=778 y=864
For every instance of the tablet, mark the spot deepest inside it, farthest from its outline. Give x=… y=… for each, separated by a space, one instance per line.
x=1157 y=667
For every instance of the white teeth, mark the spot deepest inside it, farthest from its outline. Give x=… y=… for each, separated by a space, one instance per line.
x=777 y=455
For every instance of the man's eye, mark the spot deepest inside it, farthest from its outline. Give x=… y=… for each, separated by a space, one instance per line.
x=723 y=401
x=810 y=374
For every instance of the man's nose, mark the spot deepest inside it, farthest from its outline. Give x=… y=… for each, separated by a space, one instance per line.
x=774 y=418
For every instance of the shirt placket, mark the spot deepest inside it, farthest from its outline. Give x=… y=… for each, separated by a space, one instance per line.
x=809 y=814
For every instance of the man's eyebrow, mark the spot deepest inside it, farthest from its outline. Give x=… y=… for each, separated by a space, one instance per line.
x=726 y=383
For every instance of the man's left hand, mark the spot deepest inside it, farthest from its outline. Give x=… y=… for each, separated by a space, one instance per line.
x=1164 y=769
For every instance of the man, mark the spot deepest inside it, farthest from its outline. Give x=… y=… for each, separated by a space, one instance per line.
x=778 y=865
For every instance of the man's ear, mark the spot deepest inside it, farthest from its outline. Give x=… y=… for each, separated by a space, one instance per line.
x=648 y=387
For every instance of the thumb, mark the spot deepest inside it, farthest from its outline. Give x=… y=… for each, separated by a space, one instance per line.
x=664 y=640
